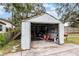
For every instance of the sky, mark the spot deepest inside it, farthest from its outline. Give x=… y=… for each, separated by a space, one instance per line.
x=3 y=14
x=49 y=9
x=49 y=6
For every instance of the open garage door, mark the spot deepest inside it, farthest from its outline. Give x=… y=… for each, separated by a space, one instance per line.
x=38 y=30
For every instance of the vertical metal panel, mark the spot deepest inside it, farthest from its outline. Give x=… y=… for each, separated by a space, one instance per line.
x=61 y=33
x=26 y=36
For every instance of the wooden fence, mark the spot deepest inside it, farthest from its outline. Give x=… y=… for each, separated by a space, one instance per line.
x=71 y=29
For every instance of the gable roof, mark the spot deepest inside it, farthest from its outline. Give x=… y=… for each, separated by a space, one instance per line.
x=2 y=23
x=5 y=21
x=44 y=18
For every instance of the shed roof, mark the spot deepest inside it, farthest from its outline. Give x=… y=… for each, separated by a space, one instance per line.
x=44 y=18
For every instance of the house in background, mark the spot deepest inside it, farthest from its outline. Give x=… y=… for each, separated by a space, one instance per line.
x=4 y=25
x=40 y=24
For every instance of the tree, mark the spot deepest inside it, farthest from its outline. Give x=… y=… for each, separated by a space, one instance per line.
x=22 y=11
x=69 y=12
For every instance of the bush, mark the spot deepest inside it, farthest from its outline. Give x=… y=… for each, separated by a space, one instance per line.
x=3 y=39
x=6 y=37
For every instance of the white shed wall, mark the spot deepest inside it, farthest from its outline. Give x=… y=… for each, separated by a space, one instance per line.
x=26 y=36
x=61 y=34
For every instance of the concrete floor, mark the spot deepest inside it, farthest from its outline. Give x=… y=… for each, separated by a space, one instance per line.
x=49 y=49
x=43 y=44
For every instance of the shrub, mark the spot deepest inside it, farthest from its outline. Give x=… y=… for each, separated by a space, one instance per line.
x=3 y=39
x=6 y=37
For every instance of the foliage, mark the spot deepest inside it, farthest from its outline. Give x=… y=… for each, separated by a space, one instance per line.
x=66 y=8
x=7 y=36
x=73 y=19
x=22 y=11
x=8 y=47
x=3 y=39
x=69 y=12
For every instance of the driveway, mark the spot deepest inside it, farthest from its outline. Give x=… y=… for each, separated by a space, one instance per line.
x=49 y=49
x=71 y=52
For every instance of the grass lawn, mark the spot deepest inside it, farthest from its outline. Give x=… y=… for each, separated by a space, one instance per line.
x=72 y=39
x=73 y=34
x=8 y=47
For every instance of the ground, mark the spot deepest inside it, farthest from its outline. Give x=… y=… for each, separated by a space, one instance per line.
x=70 y=48
x=8 y=48
x=49 y=50
x=73 y=38
x=71 y=52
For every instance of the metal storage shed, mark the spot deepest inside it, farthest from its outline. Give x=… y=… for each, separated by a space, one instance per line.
x=45 y=19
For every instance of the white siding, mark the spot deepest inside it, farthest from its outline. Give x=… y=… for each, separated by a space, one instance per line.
x=3 y=28
x=61 y=33
x=26 y=36
x=8 y=24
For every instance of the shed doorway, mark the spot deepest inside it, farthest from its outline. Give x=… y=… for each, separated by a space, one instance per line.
x=39 y=30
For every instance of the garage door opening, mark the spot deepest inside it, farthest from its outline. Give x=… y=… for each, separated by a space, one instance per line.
x=40 y=31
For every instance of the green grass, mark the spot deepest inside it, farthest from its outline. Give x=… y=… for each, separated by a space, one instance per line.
x=8 y=47
x=74 y=40
x=73 y=34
